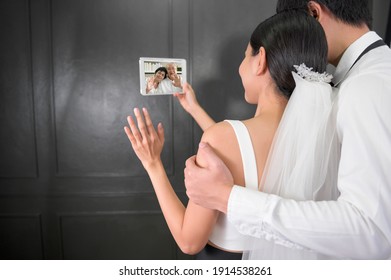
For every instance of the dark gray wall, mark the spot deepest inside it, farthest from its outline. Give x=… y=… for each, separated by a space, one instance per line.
x=380 y=16
x=70 y=185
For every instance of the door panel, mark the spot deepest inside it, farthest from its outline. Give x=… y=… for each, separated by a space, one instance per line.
x=17 y=149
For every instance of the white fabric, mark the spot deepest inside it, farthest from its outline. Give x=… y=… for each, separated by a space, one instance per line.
x=358 y=224
x=165 y=87
x=304 y=151
x=224 y=234
x=300 y=153
x=249 y=162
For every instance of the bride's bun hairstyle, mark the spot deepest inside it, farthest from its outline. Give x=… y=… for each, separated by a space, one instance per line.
x=290 y=38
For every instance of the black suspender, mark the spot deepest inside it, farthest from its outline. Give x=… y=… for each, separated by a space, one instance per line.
x=372 y=46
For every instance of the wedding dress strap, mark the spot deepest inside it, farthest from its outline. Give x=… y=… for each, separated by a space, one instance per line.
x=247 y=151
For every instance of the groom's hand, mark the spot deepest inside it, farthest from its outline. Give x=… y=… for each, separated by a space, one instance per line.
x=211 y=186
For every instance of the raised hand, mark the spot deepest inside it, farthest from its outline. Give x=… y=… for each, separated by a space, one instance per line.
x=176 y=80
x=146 y=142
x=189 y=102
x=151 y=84
x=187 y=99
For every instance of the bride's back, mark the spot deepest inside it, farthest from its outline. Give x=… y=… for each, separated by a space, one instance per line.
x=222 y=138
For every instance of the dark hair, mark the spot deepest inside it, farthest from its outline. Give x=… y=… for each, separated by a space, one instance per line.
x=290 y=38
x=353 y=12
x=163 y=69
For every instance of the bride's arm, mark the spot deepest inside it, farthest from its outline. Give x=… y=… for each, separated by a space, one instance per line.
x=189 y=102
x=189 y=226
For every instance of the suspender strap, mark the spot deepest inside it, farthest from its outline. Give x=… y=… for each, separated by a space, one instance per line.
x=372 y=46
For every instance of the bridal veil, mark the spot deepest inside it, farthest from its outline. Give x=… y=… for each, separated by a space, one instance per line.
x=303 y=160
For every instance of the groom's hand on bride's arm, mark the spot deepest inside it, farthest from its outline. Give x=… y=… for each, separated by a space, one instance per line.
x=208 y=187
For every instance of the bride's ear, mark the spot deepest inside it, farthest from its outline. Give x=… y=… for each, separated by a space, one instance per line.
x=261 y=66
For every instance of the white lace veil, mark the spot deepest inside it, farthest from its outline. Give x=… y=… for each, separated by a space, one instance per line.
x=303 y=159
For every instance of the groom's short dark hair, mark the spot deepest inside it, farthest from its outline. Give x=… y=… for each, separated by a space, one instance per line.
x=353 y=12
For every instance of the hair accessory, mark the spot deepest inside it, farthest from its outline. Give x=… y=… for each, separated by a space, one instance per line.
x=307 y=74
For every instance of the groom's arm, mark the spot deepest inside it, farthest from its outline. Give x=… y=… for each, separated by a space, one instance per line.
x=334 y=228
x=343 y=228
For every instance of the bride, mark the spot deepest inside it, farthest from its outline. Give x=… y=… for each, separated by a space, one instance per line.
x=273 y=71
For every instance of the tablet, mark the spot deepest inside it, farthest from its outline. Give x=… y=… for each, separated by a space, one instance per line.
x=162 y=76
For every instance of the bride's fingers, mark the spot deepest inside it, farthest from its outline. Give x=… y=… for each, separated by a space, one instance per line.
x=148 y=122
x=141 y=124
x=134 y=131
x=160 y=132
x=132 y=140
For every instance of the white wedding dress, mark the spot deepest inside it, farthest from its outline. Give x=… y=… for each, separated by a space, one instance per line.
x=303 y=160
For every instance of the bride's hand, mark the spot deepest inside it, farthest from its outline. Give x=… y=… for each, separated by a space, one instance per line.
x=187 y=99
x=146 y=142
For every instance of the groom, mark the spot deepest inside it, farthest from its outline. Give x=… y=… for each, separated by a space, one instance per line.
x=358 y=224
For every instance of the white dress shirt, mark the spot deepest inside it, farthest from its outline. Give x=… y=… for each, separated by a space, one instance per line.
x=168 y=87
x=358 y=224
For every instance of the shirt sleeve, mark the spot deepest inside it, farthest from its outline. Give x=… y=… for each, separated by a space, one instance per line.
x=358 y=224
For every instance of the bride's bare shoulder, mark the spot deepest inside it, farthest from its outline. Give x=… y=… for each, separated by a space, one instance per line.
x=221 y=137
x=218 y=133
